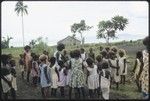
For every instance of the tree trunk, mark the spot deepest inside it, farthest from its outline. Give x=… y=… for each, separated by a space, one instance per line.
x=107 y=41
x=81 y=40
x=22 y=29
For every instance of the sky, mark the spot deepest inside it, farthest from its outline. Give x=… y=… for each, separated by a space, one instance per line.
x=53 y=20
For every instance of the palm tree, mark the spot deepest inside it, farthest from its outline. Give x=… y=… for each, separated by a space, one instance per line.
x=20 y=8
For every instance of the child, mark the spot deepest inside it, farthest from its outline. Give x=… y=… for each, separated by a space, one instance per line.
x=105 y=80
x=27 y=60
x=13 y=80
x=35 y=70
x=62 y=77
x=138 y=65
x=54 y=76
x=83 y=54
x=77 y=80
x=115 y=50
x=6 y=77
x=21 y=65
x=99 y=61
x=91 y=54
x=45 y=79
x=115 y=69
x=93 y=78
x=122 y=65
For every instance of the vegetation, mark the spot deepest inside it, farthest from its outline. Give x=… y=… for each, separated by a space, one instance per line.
x=107 y=29
x=80 y=28
x=20 y=8
x=5 y=42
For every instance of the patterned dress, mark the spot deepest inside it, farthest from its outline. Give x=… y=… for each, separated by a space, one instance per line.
x=145 y=73
x=77 y=76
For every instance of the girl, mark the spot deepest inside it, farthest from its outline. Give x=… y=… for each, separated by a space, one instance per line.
x=91 y=54
x=34 y=70
x=115 y=69
x=45 y=79
x=122 y=65
x=83 y=54
x=115 y=50
x=13 y=79
x=105 y=80
x=21 y=65
x=54 y=75
x=138 y=65
x=77 y=80
x=93 y=78
x=62 y=77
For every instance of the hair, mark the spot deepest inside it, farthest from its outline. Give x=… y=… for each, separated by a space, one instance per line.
x=121 y=52
x=111 y=53
x=107 y=48
x=43 y=58
x=35 y=57
x=104 y=53
x=12 y=63
x=89 y=61
x=139 y=54
x=76 y=53
x=114 y=49
x=27 y=47
x=5 y=58
x=105 y=65
x=99 y=58
x=52 y=60
x=146 y=41
x=60 y=47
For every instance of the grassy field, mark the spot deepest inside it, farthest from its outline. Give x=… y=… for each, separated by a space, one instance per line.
x=128 y=91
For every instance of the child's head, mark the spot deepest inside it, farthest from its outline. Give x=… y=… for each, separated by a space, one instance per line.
x=104 y=54
x=114 y=49
x=45 y=52
x=52 y=60
x=99 y=58
x=112 y=55
x=12 y=63
x=105 y=65
x=146 y=42
x=27 y=48
x=5 y=59
x=139 y=54
x=35 y=57
x=61 y=63
x=107 y=48
x=76 y=53
x=89 y=61
x=121 y=52
x=72 y=54
x=91 y=50
x=43 y=58
x=60 y=47
x=82 y=50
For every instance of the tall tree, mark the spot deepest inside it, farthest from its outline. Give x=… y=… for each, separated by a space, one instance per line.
x=5 y=42
x=20 y=8
x=108 y=29
x=80 y=28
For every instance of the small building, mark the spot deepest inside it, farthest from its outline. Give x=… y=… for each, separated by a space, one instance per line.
x=69 y=41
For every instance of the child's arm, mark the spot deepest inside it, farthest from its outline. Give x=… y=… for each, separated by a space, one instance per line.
x=57 y=73
x=124 y=65
x=117 y=67
x=135 y=65
x=111 y=64
x=46 y=76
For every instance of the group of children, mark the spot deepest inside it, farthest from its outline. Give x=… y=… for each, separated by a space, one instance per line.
x=76 y=71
